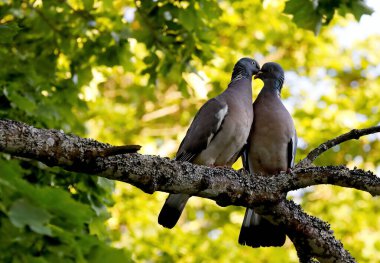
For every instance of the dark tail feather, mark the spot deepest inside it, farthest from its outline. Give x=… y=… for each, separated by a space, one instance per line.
x=172 y=209
x=259 y=232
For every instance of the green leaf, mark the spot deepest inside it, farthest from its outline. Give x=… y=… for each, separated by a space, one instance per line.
x=31 y=259
x=304 y=14
x=88 y=4
x=108 y=254
x=188 y=18
x=8 y=32
x=360 y=8
x=54 y=200
x=23 y=212
x=97 y=228
x=210 y=9
x=9 y=168
x=84 y=76
x=23 y=102
x=106 y=184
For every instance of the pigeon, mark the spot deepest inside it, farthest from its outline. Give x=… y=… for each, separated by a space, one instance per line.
x=271 y=149
x=217 y=134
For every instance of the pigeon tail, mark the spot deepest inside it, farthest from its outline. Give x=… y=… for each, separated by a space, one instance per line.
x=172 y=209
x=256 y=231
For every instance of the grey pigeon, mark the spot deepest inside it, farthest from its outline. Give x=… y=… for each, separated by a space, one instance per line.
x=217 y=134
x=271 y=148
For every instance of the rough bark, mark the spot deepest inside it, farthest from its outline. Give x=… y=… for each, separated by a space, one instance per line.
x=311 y=236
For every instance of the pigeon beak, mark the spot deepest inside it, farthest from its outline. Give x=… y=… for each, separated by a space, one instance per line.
x=258 y=75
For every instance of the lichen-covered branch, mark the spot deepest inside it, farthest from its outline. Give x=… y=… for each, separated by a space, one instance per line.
x=335 y=175
x=311 y=236
x=152 y=173
x=353 y=134
x=313 y=239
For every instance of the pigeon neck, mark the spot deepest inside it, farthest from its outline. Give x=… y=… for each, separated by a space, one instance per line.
x=273 y=84
x=241 y=89
x=240 y=73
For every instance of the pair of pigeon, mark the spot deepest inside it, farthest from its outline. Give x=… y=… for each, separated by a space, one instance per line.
x=226 y=127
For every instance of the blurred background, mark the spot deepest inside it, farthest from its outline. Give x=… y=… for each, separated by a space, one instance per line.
x=135 y=72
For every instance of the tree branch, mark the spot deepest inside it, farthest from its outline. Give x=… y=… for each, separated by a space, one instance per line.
x=313 y=239
x=353 y=134
x=335 y=175
x=311 y=236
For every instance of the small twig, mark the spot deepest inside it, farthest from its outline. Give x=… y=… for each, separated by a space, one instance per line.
x=116 y=150
x=353 y=134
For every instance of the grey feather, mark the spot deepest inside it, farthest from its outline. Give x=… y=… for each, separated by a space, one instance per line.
x=207 y=122
x=292 y=149
x=172 y=209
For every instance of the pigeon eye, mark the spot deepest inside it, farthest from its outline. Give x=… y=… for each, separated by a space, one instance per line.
x=253 y=62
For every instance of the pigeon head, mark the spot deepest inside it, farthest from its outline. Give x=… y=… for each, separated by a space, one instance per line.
x=272 y=72
x=245 y=68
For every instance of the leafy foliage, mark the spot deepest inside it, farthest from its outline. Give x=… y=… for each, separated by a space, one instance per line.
x=135 y=72
x=312 y=15
x=49 y=49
